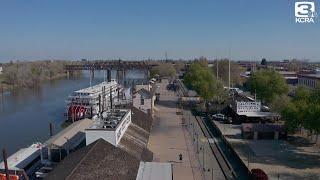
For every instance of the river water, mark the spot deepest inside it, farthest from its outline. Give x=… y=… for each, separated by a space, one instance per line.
x=25 y=114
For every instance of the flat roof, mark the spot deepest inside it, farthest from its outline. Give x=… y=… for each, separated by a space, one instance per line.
x=154 y=171
x=17 y=160
x=315 y=76
x=98 y=87
x=287 y=72
x=109 y=120
x=63 y=136
x=257 y=114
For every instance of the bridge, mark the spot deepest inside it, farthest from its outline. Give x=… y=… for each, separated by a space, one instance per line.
x=108 y=65
x=120 y=66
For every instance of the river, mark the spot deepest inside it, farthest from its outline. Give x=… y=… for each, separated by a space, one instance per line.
x=25 y=114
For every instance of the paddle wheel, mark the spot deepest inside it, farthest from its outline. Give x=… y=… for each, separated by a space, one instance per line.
x=77 y=112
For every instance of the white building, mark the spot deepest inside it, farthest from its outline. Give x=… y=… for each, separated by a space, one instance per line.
x=110 y=127
x=309 y=80
x=142 y=86
x=1 y=70
x=143 y=100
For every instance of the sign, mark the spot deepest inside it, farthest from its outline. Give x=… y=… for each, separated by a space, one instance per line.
x=243 y=106
x=305 y=12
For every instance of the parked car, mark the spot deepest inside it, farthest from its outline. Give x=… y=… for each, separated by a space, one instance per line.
x=227 y=120
x=258 y=174
x=219 y=117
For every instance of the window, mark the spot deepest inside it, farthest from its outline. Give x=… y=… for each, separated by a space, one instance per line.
x=142 y=101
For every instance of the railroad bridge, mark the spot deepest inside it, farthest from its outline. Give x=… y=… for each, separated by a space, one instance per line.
x=108 y=65
x=118 y=65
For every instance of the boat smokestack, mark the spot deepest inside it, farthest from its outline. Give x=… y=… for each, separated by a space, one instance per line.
x=99 y=103
x=4 y=154
x=109 y=75
x=51 y=129
x=111 y=98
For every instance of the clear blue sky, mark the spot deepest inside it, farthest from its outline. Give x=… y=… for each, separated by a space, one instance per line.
x=135 y=29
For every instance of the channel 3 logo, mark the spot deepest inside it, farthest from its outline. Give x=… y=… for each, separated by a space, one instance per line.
x=305 y=12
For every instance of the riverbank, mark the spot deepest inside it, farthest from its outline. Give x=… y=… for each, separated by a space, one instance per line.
x=278 y=158
x=4 y=87
x=31 y=74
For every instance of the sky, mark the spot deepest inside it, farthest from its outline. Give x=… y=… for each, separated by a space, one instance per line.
x=142 y=29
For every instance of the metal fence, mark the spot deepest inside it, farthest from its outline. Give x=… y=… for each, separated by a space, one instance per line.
x=201 y=145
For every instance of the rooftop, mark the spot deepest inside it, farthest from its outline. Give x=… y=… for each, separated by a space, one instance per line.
x=135 y=141
x=17 y=160
x=145 y=93
x=154 y=171
x=97 y=88
x=287 y=72
x=99 y=160
x=110 y=119
x=141 y=119
x=257 y=114
x=316 y=76
x=69 y=132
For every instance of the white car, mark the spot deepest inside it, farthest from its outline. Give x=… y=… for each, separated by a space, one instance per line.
x=219 y=117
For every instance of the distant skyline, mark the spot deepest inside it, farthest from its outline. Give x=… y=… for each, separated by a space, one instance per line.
x=81 y=29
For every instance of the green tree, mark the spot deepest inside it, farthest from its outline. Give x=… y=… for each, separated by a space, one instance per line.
x=290 y=115
x=264 y=62
x=303 y=111
x=279 y=103
x=201 y=79
x=267 y=84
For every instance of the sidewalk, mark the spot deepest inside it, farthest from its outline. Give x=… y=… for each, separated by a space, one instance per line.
x=168 y=139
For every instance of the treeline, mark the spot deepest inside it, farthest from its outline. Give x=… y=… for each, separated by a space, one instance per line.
x=201 y=78
x=301 y=111
x=30 y=74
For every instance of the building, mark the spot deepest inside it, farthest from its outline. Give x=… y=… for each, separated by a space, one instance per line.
x=263 y=131
x=142 y=86
x=248 y=65
x=110 y=126
x=123 y=156
x=291 y=77
x=143 y=100
x=23 y=163
x=154 y=171
x=99 y=160
x=66 y=141
x=102 y=160
x=1 y=70
x=309 y=80
x=245 y=109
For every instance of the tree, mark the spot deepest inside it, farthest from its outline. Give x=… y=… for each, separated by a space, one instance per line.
x=290 y=115
x=223 y=72
x=279 y=103
x=164 y=69
x=201 y=79
x=264 y=62
x=303 y=111
x=267 y=84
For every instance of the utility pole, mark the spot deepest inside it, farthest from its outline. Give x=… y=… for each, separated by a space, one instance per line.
x=4 y=154
x=217 y=69
x=166 y=56
x=229 y=74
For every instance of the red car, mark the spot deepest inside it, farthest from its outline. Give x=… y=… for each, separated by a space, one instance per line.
x=258 y=174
